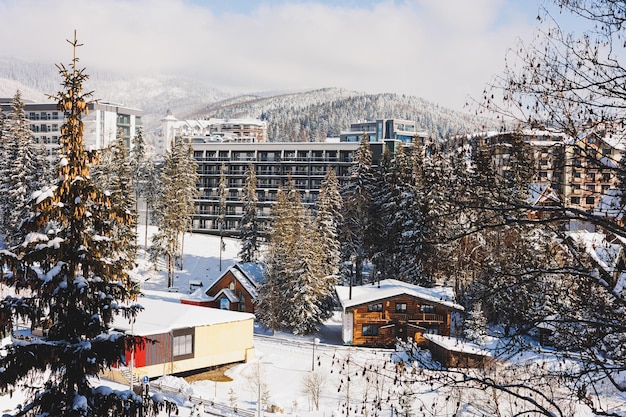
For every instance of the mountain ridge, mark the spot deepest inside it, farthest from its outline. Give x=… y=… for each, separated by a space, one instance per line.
x=307 y=115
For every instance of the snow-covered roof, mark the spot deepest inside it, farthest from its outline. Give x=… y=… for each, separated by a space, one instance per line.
x=161 y=316
x=456 y=345
x=248 y=274
x=388 y=288
x=542 y=193
x=603 y=252
x=610 y=205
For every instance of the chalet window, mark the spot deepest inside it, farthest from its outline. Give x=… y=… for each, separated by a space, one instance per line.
x=375 y=307
x=400 y=307
x=370 y=330
x=427 y=309
x=182 y=343
x=431 y=330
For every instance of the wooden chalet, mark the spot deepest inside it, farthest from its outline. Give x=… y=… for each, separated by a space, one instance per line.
x=377 y=314
x=235 y=290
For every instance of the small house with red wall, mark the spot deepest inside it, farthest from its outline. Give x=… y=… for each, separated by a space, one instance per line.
x=235 y=290
x=183 y=338
x=379 y=313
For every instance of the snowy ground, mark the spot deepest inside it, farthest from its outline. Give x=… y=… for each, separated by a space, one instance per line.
x=283 y=361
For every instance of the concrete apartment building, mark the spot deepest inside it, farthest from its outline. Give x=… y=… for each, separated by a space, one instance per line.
x=580 y=171
x=239 y=143
x=102 y=123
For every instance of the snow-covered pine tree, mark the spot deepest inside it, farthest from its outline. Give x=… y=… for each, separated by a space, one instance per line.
x=222 y=193
x=326 y=225
x=68 y=276
x=379 y=233
x=357 y=197
x=282 y=228
x=475 y=328
x=114 y=175
x=25 y=171
x=174 y=205
x=293 y=295
x=249 y=232
x=138 y=164
x=327 y=221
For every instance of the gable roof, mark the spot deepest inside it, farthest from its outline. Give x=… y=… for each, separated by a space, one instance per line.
x=388 y=288
x=161 y=316
x=248 y=274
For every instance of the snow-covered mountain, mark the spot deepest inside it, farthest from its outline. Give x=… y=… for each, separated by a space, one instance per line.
x=292 y=116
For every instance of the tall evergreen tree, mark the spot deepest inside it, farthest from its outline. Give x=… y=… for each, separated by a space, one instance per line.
x=326 y=234
x=175 y=205
x=294 y=296
x=138 y=165
x=114 y=175
x=76 y=281
x=357 y=197
x=221 y=208
x=25 y=171
x=249 y=232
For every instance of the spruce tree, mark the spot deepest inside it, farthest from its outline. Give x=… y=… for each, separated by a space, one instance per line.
x=357 y=197
x=68 y=275
x=138 y=165
x=174 y=205
x=221 y=208
x=249 y=232
x=25 y=171
x=294 y=296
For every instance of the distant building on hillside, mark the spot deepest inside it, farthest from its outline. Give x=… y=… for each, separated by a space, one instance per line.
x=102 y=123
x=209 y=130
x=405 y=131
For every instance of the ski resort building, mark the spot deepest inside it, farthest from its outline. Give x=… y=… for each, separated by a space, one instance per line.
x=379 y=313
x=274 y=163
x=102 y=123
x=405 y=131
x=209 y=130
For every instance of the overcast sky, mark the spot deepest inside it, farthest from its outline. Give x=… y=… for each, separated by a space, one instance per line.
x=441 y=50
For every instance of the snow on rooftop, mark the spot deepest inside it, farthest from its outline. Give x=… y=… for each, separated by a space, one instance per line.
x=456 y=345
x=363 y=294
x=161 y=316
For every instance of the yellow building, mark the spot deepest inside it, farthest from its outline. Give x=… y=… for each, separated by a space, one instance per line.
x=183 y=338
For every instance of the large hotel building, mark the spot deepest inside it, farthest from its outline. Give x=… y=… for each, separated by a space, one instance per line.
x=238 y=144
x=102 y=123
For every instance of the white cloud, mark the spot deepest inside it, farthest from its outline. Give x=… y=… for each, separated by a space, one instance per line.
x=439 y=50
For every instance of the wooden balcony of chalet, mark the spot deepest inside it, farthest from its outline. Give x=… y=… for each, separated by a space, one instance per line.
x=387 y=316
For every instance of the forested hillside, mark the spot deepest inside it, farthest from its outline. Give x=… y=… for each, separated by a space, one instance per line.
x=315 y=115
x=294 y=116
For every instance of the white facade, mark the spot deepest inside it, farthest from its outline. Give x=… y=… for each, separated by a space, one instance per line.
x=101 y=123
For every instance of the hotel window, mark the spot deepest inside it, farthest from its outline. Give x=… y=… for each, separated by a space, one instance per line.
x=575 y=200
x=375 y=307
x=370 y=330
x=182 y=343
x=590 y=200
x=400 y=307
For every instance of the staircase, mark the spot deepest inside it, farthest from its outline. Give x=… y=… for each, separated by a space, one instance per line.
x=131 y=377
